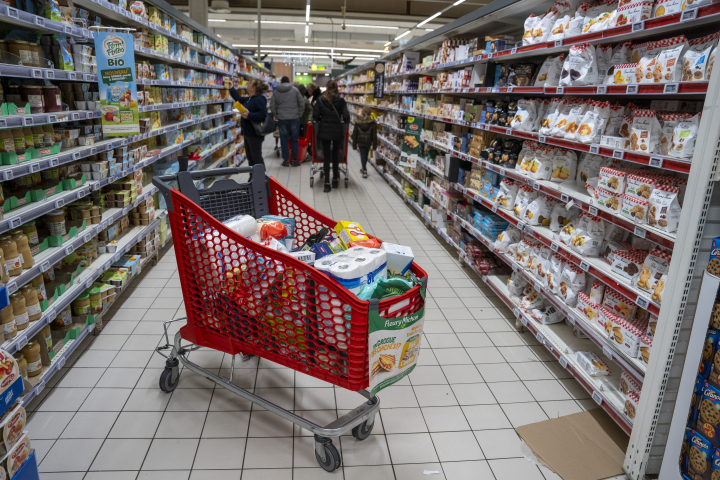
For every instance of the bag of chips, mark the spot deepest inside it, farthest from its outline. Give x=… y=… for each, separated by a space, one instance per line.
x=541 y=166
x=549 y=73
x=593 y=122
x=580 y=67
x=664 y=211
x=564 y=165
x=645 y=131
x=556 y=107
x=562 y=120
x=684 y=137
x=530 y=23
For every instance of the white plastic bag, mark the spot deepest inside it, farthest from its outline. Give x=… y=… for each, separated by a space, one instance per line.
x=580 y=67
x=593 y=122
x=549 y=73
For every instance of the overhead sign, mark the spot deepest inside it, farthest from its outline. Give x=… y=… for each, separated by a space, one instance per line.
x=116 y=82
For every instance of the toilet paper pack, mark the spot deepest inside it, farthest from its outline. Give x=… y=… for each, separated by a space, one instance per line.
x=356 y=267
x=399 y=258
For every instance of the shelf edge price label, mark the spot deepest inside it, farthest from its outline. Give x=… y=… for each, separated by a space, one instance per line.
x=571 y=319
x=594 y=149
x=516 y=312
x=520 y=226
x=513 y=51
x=542 y=138
x=640 y=232
x=602 y=89
x=584 y=265
x=642 y=302
x=554 y=247
x=494 y=208
x=638 y=26
x=558 y=43
x=536 y=186
x=564 y=198
x=656 y=162
x=688 y=15
x=607 y=352
x=563 y=361
x=632 y=89
x=560 y=90
x=593 y=210
x=671 y=88
x=540 y=338
x=597 y=397
x=45 y=266
x=618 y=154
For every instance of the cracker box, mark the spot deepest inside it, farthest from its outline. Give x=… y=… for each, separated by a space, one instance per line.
x=627 y=384
x=700 y=452
x=633 y=12
x=349 y=232
x=588 y=308
x=624 y=74
x=619 y=304
x=627 y=264
x=635 y=209
x=612 y=180
x=632 y=399
x=645 y=347
x=609 y=200
x=626 y=336
x=709 y=418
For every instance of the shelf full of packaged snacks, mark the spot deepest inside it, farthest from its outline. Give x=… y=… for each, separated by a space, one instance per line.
x=250 y=75
x=170 y=106
x=176 y=126
x=391 y=127
x=52 y=74
x=147 y=52
x=37 y=23
x=28 y=120
x=570 y=191
x=177 y=83
x=389 y=143
x=194 y=162
x=18 y=216
x=53 y=255
x=83 y=281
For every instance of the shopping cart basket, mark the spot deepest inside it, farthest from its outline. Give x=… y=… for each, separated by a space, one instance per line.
x=241 y=296
x=303 y=144
x=317 y=156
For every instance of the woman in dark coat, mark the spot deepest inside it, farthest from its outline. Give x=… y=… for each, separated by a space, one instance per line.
x=256 y=105
x=332 y=116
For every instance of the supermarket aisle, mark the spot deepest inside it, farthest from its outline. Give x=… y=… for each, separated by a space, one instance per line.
x=477 y=379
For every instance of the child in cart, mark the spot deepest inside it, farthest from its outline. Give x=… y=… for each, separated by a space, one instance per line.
x=364 y=136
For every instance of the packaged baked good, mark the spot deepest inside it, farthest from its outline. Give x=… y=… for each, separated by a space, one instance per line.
x=632 y=402
x=541 y=166
x=547 y=315
x=637 y=51
x=525 y=114
x=640 y=185
x=610 y=247
x=573 y=119
x=572 y=282
x=604 y=65
x=580 y=67
x=588 y=308
x=522 y=252
x=695 y=58
x=592 y=364
x=507 y=193
x=711 y=61
x=656 y=264
x=664 y=211
x=531 y=302
x=549 y=73
x=588 y=167
x=615 y=233
x=628 y=384
x=667 y=7
x=645 y=131
x=624 y=74
x=708 y=420
x=557 y=105
x=684 y=137
x=615 y=119
x=627 y=336
x=525 y=195
x=523 y=74
x=669 y=60
x=619 y=304
x=597 y=292
x=647 y=68
x=633 y=12
x=635 y=209
x=569 y=230
x=564 y=165
x=627 y=264
x=561 y=120
x=593 y=122
x=577 y=21
x=612 y=180
x=510 y=236
x=561 y=216
x=516 y=284
x=609 y=200
x=553 y=271
x=538 y=212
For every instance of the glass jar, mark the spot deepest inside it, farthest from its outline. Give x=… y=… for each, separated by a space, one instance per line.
x=22 y=364
x=30 y=230
x=21 y=48
x=18 y=140
x=49 y=135
x=13 y=95
x=13 y=261
x=81 y=305
x=32 y=304
x=39 y=285
x=47 y=333
x=55 y=222
x=53 y=99
x=31 y=352
x=38 y=136
x=95 y=300
x=33 y=95
x=23 y=246
x=17 y=301
x=8 y=322
x=63 y=320
x=6 y=141
x=28 y=135
x=4 y=277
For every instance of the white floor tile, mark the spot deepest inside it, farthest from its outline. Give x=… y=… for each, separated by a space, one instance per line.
x=456 y=446
x=412 y=448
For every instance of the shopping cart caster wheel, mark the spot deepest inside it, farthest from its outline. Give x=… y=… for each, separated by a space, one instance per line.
x=332 y=456
x=312 y=181
x=346 y=183
x=362 y=431
x=277 y=153
x=168 y=381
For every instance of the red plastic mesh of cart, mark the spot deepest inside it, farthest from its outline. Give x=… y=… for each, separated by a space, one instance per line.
x=241 y=296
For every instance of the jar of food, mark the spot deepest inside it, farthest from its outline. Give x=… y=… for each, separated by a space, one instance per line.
x=2 y=93
x=23 y=246
x=55 y=222
x=6 y=141
x=21 y=48
x=63 y=320
x=18 y=140
x=28 y=135
x=17 y=301
x=33 y=95
x=31 y=352
x=22 y=364
x=32 y=303
x=8 y=322
x=30 y=230
x=47 y=333
x=13 y=260
x=53 y=99
x=81 y=305
x=38 y=136
x=39 y=285
x=49 y=135
x=4 y=277
x=4 y=46
x=95 y=300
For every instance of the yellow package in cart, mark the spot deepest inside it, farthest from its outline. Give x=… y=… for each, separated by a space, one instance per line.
x=349 y=232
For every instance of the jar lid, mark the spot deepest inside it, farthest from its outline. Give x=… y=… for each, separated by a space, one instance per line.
x=83 y=296
x=56 y=212
x=16 y=294
x=30 y=343
x=16 y=232
x=29 y=224
x=18 y=356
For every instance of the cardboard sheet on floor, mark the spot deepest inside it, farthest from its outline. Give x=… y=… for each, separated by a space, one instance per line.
x=582 y=446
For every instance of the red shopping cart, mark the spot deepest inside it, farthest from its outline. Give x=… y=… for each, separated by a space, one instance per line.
x=303 y=144
x=317 y=157
x=241 y=296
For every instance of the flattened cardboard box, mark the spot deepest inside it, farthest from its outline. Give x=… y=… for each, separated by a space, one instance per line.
x=582 y=446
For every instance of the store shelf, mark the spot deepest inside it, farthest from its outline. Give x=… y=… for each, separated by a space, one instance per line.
x=147 y=52
x=170 y=106
x=29 y=120
x=177 y=83
x=391 y=127
x=387 y=142
x=37 y=23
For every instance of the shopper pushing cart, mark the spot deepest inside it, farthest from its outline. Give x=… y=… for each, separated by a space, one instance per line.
x=331 y=117
x=242 y=296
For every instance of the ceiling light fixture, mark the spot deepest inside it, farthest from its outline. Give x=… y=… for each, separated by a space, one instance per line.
x=371 y=26
x=307 y=11
x=402 y=35
x=458 y=3
x=275 y=21
x=307 y=29
x=312 y=48
x=429 y=19
x=327 y=74
x=388 y=43
x=216 y=20
x=429 y=29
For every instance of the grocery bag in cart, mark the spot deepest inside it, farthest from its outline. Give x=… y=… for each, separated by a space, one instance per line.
x=243 y=298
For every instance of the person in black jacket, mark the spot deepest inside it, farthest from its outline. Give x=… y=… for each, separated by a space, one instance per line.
x=256 y=106
x=364 y=136
x=332 y=116
x=313 y=93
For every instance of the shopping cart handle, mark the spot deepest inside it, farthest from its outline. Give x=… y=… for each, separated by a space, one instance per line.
x=186 y=180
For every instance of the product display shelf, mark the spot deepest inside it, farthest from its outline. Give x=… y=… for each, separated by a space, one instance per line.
x=28 y=120
x=52 y=74
x=193 y=164
x=676 y=88
x=40 y=24
x=51 y=256
x=83 y=281
x=211 y=180
x=170 y=106
x=391 y=127
x=177 y=83
x=176 y=126
x=387 y=142
x=18 y=216
x=220 y=162
x=148 y=52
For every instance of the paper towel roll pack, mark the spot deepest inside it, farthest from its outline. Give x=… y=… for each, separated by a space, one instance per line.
x=355 y=268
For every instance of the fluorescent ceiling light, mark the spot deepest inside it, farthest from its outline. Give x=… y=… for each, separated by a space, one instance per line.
x=458 y=2
x=371 y=26
x=401 y=35
x=273 y=21
x=388 y=43
x=307 y=11
x=306 y=39
x=312 y=48
x=216 y=20
x=327 y=74
x=428 y=19
x=307 y=29
x=429 y=29
x=283 y=56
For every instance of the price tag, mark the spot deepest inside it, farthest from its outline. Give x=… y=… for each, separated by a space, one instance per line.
x=494 y=208
x=44 y=266
x=563 y=361
x=602 y=89
x=642 y=302
x=671 y=88
x=12 y=12
x=564 y=198
x=3 y=123
x=632 y=89
x=516 y=312
x=558 y=43
x=594 y=149
x=509 y=89
x=607 y=352
x=584 y=266
x=59 y=203
x=640 y=232
x=597 y=397
x=15 y=222
x=618 y=154
x=536 y=186
x=554 y=247
x=22 y=341
x=638 y=26
x=540 y=338
x=40 y=387
x=593 y=210
x=520 y=226
x=560 y=90
x=513 y=51
x=571 y=319
x=656 y=162
x=688 y=15
x=39 y=21
x=72 y=76
x=490 y=55
x=69 y=249
x=27 y=121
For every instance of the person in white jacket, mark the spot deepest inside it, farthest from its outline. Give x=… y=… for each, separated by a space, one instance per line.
x=287 y=106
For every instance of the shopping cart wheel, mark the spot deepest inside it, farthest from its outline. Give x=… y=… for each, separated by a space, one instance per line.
x=331 y=460
x=312 y=180
x=362 y=431
x=346 y=182
x=277 y=153
x=170 y=377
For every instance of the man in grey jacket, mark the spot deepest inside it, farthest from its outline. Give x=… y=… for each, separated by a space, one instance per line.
x=288 y=105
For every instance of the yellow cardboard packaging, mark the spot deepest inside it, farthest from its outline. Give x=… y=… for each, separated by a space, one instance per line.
x=349 y=232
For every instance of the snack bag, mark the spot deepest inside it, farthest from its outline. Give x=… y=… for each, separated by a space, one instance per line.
x=561 y=216
x=525 y=195
x=612 y=180
x=645 y=131
x=614 y=233
x=563 y=118
x=569 y=230
x=549 y=73
x=648 y=69
x=593 y=122
x=516 y=284
x=597 y=293
x=524 y=118
x=547 y=315
x=618 y=304
x=572 y=282
x=588 y=308
x=588 y=167
x=604 y=63
x=544 y=28
x=664 y=211
x=553 y=269
x=510 y=236
x=684 y=137
x=637 y=51
x=708 y=423
x=538 y=212
x=531 y=302
x=507 y=193
x=530 y=23
x=564 y=165
x=669 y=122
x=561 y=24
x=655 y=266
x=592 y=364
x=576 y=23
x=635 y=209
x=541 y=166
x=696 y=57
x=668 y=7
x=574 y=118
x=609 y=200
x=669 y=60
x=557 y=105
x=587 y=241
x=580 y=67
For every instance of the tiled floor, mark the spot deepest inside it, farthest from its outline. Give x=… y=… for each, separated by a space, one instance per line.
x=104 y=417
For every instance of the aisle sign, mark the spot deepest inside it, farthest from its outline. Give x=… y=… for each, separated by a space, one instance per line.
x=117 y=85
x=379 y=79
